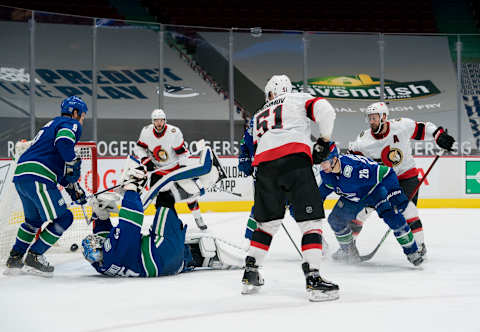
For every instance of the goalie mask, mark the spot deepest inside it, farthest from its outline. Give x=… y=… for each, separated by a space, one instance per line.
x=277 y=85
x=379 y=108
x=93 y=248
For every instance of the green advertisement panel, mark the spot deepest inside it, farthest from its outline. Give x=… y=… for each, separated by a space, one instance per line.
x=472 y=178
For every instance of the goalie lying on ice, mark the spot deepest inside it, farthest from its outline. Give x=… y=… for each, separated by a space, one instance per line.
x=164 y=248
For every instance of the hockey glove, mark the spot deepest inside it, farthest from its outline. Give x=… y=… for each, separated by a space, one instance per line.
x=245 y=161
x=135 y=179
x=443 y=139
x=76 y=192
x=321 y=149
x=72 y=170
x=148 y=164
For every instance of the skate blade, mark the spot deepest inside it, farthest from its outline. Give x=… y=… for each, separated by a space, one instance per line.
x=250 y=289
x=35 y=272
x=322 y=296
x=13 y=271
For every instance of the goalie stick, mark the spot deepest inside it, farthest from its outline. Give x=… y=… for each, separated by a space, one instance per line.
x=369 y=256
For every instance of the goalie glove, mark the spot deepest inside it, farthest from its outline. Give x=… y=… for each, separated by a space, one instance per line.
x=72 y=170
x=135 y=179
x=321 y=149
x=443 y=139
x=76 y=192
x=104 y=204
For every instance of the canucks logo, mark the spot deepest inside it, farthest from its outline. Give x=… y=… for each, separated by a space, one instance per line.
x=391 y=157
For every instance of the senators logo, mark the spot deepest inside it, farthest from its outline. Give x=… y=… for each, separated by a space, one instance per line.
x=160 y=154
x=392 y=157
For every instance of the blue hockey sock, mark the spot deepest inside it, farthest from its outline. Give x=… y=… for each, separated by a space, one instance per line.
x=344 y=237
x=25 y=236
x=405 y=238
x=50 y=235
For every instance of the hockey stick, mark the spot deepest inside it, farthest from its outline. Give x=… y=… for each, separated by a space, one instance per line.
x=293 y=242
x=367 y=257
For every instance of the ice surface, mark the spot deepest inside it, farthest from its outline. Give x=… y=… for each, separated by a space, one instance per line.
x=384 y=294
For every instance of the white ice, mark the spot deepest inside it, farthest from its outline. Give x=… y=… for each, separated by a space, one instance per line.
x=384 y=294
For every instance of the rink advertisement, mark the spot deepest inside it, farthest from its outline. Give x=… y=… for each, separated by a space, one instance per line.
x=235 y=193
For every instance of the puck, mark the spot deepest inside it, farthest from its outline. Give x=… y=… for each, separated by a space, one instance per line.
x=74 y=247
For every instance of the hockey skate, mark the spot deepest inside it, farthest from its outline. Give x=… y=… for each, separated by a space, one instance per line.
x=252 y=280
x=14 y=263
x=318 y=289
x=200 y=223
x=38 y=265
x=423 y=250
x=415 y=258
x=348 y=254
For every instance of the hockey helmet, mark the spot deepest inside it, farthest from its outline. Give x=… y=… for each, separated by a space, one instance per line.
x=378 y=108
x=158 y=114
x=277 y=85
x=73 y=103
x=329 y=160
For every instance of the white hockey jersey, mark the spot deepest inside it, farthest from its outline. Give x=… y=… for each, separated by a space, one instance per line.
x=165 y=150
x=393 y=148
x=282 y=126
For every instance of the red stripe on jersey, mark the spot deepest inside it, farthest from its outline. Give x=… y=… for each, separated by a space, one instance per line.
x=409 y=221
x=355 y=152
x=141 y=144
x=166 y=171
x=318 y=230
x=408 y=174
x=417 y=230
x=180 y=146
x=309 y=107
x=259 y=245
x=282 y=151
x=419 y=133
x=312 y=246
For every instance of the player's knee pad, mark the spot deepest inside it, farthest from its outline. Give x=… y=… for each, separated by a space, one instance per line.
x=338 y=219
x=410 y=211
x=33 y=225
x=63 y=222
x=270 y=227
x=392 y=219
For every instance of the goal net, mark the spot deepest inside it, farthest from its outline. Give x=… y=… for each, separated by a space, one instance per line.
x=11 y=210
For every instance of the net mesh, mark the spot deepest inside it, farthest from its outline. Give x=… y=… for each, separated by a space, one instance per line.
x=12 y=211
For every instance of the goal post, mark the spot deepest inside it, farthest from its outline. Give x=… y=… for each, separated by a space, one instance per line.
x=11 y=210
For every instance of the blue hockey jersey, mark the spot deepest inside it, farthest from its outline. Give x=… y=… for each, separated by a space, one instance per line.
x=44 y=161
x=358 y=178
x=128 y=253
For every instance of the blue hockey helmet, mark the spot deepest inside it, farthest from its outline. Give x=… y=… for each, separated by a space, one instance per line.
x=73 y=103
x=333 y=151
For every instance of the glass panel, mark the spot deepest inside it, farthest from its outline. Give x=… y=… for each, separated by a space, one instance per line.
x=127 y=78
x=63 y=58
x=344 y=68
x=421 y=71
x=196 y=86
x=470 y=87
x=14 y=79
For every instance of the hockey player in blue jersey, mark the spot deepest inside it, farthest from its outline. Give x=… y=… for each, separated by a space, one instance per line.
x=362 y=182
x=161 y=248
x=247 y=151
x=49 y=161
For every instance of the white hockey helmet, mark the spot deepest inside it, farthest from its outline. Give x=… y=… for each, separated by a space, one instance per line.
x=277 y=85
x=158 y=114
x=378 y=108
